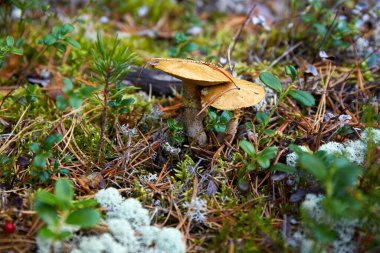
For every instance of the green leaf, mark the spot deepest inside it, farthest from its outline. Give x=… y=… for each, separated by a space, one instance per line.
x=47 y=213
x=251 y=167
x=296 y=149
x=213 y=116
x=303 y=97
x=63 y=235
x=172 y=52
x=35 y=148
x=85 y=203
x=16 y=51
x=220 y=128
x=268 y=132
x=75 y=101
x=189 y=47
x=180 y=37
x=323 y=234
x=68 y=85
x=72 y=43
x=86 y=91
x=124 y=110
x=64 y=192
x=171 y=123
x=262 y=117
x=127 y=102
x=308 y=18
x=84 y=218
x=49 y=40
x=113 y=104
x=321 y=29
x=61 y=102
x=248 y=148
x=67 y=28
x=313 y=165
x=10 y=41
x=264 y=157
x=345 y=174
x=225 y=117
x=40 y=160
x=60 y=47
x=269 y=153
x=284 y=168
x=248 y=125
x=56 y=31
x=51 y=140
x=46 y=197
x=263 y=162
x=271 y=81
x=291 y=71
x=46 y=233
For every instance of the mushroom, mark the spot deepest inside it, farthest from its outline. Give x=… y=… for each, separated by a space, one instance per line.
x=222 y=92
x=193 y=74
x=228 y=97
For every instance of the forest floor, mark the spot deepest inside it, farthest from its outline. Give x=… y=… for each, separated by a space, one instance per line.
x=301 y=174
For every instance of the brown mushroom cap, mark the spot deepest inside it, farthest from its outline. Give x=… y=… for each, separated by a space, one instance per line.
x=228 y=97
x=196 y=72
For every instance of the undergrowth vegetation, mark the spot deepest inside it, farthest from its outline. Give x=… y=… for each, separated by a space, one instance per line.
x=93 y=159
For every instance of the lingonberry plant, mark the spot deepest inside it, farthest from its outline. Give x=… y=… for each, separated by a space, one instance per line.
x=62 y=214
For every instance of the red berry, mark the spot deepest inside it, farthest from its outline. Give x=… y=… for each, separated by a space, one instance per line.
x=9 y=227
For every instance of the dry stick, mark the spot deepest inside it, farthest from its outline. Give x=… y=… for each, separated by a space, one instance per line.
x=232 y=44
x=6 y=96
x=322 y=105
x=358 y=71
x=283 y=55
x=6 y=143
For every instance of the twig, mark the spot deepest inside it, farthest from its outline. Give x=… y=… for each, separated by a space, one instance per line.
x=232 y=44
x=283 y=55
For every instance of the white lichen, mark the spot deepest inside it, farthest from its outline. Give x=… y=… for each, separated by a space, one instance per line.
x=130 y=230
x=291 y=159
x=344 y=228
x=197 y=209
x=150 y=178
x=43 y=245
x=170 y=240
x=332 y=147
x=372 y=134
x=170 y=149
x=305 y=245
x=148 y=236
x=128 y=132
x=355 y=151
x=91 y=244
x=109 y=198
x=111 y=244
x=132 y=211
x=123 y=232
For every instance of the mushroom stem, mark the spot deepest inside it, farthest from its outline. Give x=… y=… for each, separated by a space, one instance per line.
x=192 y=104
x=231 y=130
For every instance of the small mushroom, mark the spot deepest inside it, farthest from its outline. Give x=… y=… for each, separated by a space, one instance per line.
x=228 y=97
x=193 y=74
